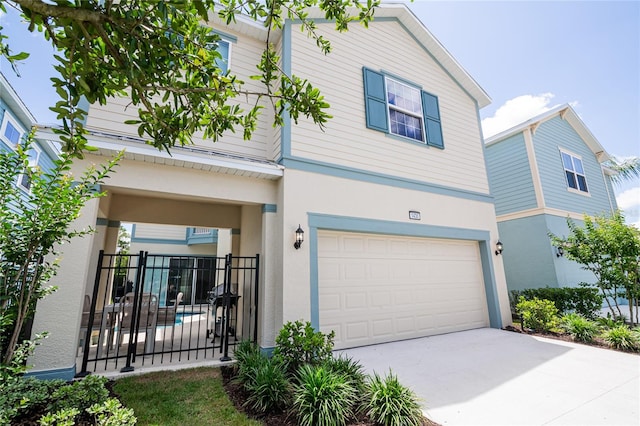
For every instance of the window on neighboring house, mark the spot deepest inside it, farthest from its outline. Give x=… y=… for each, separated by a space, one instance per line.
x=24 y=180
x=401 y=109
x=11 y=133
x=201 y=231
x=574 y=172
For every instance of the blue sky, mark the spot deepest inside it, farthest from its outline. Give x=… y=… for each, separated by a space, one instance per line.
x=528 y=56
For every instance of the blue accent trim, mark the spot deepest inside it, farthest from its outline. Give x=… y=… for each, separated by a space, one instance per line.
x=158 y=241
x=235 y=231
x=388 y=227
x=210 y=237
x=490 y=287
x=382 y=179
x=227 y=37
x=268 y=351
x=113 y=224
x=269 y=208
x=285 y=129
x=101 y=221
x=314 y=296
x=59 y=373
x=371 y=226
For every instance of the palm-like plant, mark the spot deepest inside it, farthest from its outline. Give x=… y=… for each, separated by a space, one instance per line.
x=627 y=169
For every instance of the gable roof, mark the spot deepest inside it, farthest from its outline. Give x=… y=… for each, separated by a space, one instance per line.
x=567 y=113
x=407 y=19
x=18 y=108
x=15 y=104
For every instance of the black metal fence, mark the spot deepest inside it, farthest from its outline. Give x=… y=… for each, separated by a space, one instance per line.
x=151 y=309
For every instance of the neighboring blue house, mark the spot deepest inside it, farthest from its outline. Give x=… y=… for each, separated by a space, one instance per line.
x=541 y=172
x=16 y=121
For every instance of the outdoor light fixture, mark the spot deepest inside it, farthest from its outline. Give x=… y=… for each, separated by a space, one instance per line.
x=299 y=238
x=499 y=248
x=560 y=251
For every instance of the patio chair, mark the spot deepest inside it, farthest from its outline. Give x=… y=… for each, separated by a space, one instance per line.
x=167 y=316
x=98 y=317
x=147 y=314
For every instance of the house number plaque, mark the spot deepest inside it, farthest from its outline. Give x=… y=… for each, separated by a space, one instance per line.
x=413 y=215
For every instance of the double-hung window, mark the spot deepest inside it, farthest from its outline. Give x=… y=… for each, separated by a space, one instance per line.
x=574 y=172
x=399 y=108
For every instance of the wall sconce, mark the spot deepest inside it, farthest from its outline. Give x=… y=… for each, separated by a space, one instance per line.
x=499 y=248
x=559 y=251
x=299 y=238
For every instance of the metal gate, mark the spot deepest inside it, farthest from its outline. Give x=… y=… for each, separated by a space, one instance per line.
x=151 y=309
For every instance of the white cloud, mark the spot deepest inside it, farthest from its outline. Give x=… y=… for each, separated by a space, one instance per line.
x=515 y=111
x=629 y=203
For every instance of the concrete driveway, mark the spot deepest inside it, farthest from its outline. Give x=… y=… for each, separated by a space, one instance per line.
x=496 y=377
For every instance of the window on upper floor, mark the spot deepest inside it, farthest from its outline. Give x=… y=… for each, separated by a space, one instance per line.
x=24 y=180
x=401 y=109
x=574 y=172
x=224 y=48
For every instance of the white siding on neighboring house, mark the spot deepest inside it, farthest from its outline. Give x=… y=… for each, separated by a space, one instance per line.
x=347 y=142
x=160 y=232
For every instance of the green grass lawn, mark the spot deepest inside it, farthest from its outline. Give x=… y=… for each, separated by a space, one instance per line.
x=185 y=397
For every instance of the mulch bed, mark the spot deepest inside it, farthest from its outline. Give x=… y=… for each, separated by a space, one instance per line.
x=597 y=342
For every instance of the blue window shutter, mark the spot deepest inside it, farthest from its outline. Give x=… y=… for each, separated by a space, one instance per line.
x=432 y=120
x=375 y=100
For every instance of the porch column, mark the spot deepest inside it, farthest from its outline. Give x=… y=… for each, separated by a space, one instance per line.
x=270 y=311
x=60 y=313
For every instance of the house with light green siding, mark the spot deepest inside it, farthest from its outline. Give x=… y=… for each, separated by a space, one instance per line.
x=542 y=172
x=15 y=123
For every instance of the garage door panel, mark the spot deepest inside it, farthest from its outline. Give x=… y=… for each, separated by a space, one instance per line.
x=375 y=289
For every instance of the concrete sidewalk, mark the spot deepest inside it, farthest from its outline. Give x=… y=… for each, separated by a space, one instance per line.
x=496 y=377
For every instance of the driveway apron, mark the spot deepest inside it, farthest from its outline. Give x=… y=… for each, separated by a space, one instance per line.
x=496 y=377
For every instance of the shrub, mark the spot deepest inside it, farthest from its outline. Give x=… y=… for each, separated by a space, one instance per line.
x=80 y=394
x=580 y=328
x=23 y=395
x=537 y=314
x=353 y=371
x=268 y=387
x=585 y=301
x=64 y=417
x=622 y=337
x=62 y=401
x=609 y=322
x=392 y=404
x=244 y=353
x=322 y=397
x=348 y=367
x=247 y=365
x=298 y=344
x=112 y=413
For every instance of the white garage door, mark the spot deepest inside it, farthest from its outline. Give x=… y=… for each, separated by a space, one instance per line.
x=381 y=288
